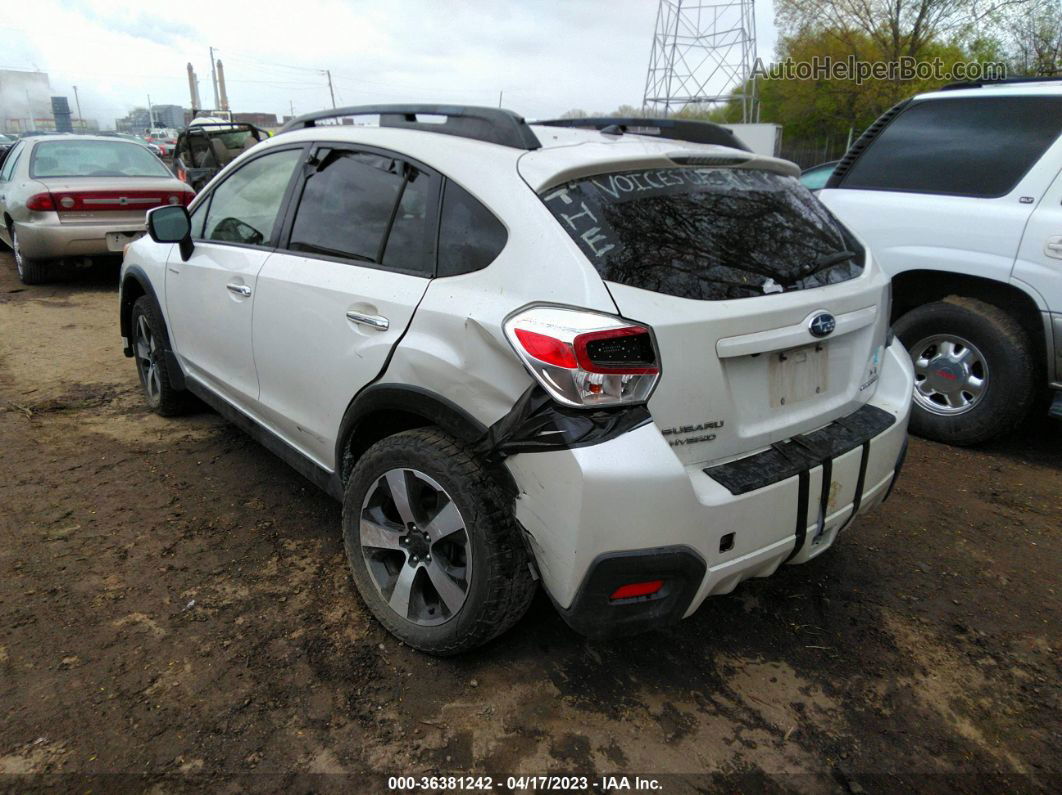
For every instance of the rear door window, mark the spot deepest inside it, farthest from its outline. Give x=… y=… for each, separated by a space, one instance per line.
x=10 y=162
x=706 y=233
x=369 y=208
x=976 y=146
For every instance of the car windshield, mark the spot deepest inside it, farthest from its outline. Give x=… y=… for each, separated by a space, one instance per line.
x=706 y=233
x=94 y=159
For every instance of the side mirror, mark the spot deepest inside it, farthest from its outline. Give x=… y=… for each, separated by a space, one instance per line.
x=171 y=224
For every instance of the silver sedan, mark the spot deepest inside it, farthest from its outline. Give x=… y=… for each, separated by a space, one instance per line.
x=78 y=196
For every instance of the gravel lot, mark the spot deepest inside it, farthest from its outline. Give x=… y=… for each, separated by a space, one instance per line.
x=175 y=609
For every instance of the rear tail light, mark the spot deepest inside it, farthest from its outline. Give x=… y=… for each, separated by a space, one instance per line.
x=123 y=201
x=40 y=202
x=585 y=359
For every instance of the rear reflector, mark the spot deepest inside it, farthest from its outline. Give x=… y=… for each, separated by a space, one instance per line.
x=40 y=202
x=636 y=589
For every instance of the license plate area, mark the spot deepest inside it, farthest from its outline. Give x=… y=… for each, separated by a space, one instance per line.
x=117 y=241
x=798 y=374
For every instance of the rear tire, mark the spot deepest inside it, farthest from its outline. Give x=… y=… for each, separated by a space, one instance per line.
x=397 y=554
x=963 y=340
x=30 y=271
x=149 y=340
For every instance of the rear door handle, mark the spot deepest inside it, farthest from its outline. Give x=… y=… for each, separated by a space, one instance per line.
x=239 y=289
x=1053 y=247
x=377 y=322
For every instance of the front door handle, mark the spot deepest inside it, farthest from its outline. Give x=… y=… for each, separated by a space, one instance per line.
x=373 y=321
x=239 y=289
x=1053 y=247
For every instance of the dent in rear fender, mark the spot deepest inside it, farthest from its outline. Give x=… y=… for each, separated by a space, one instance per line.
x=627 y=493
x=538 y=424
x=460 y=359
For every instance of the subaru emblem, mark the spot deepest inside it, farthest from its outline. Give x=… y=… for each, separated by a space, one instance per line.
x=822 y=325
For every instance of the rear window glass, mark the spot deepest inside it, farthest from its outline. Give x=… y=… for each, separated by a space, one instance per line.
x=977 y=146
x=706 y=233
x=94 y=159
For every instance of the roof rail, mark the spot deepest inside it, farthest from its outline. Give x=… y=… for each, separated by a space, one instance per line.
x=694 y=132
x=1002 y=81
x=492 y=125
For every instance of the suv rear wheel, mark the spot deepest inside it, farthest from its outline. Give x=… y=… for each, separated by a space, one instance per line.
x=432 y=543
x=974 y=372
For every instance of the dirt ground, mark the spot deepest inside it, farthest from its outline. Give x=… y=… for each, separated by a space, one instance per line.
x=176 y=614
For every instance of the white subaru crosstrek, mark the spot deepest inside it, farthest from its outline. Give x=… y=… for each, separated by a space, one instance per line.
x=635 y=369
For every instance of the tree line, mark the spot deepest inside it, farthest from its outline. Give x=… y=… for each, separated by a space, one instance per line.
x=820 y=116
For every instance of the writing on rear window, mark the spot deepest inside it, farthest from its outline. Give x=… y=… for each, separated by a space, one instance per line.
x=706 y=233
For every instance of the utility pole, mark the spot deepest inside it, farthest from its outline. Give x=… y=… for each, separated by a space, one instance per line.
x=500 y=98
x=328 y=73
x=291 y=104
x=214 y=80
x=77 y=101
x=151 y=115
x=29 y=110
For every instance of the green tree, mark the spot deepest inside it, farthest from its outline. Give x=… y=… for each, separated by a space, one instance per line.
x=1036 y=39
x=897 y=28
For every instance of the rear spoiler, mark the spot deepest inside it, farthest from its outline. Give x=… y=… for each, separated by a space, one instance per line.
x=694 y=132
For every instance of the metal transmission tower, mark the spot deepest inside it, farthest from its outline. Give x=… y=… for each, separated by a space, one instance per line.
x=701 y=52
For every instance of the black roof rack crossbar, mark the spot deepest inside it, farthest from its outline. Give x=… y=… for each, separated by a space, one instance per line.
x=1002 y=81
x=492 y=125
x=694 y=132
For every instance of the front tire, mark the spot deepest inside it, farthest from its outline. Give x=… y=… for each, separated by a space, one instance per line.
x=975 y=377
x=149 y=341
x=30 y=271
x=432 y=543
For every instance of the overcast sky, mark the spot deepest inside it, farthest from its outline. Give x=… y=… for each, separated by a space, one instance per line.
x=545 y=55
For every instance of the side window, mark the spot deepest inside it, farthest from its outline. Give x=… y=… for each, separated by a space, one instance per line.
x=243 y=208
x=470 y=237
x=10 y=161
x=368 y=208
x=409 y=243
x=978 y=147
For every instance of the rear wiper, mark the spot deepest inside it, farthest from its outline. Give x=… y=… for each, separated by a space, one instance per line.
x=822 y=263
x=827 y=260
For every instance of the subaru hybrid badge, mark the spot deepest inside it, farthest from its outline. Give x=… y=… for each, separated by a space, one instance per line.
x=822 y=325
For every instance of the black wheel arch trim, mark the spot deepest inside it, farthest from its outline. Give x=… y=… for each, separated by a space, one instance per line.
x=125 y=312
x=433 y=408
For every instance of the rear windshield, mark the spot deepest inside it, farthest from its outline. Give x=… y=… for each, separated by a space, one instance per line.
x=706 y=233
x=94 y=159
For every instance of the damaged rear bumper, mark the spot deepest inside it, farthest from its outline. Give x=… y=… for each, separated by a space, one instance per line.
x=630 y=497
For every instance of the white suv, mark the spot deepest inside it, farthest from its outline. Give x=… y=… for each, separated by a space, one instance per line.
x=635 y=369
x=959 y=194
